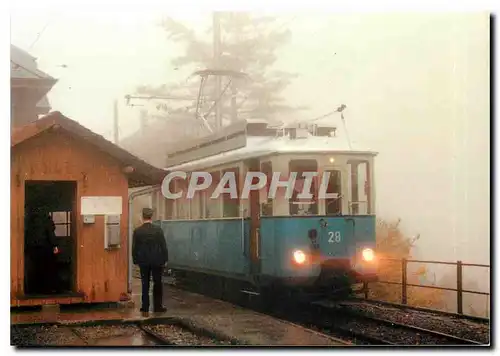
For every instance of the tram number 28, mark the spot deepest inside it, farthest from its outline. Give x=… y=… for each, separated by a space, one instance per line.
x=334 y=237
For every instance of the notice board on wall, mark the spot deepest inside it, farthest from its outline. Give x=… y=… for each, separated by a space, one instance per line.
x=101 y=205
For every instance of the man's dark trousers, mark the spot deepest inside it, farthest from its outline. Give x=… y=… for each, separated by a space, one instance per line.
x=156 y=272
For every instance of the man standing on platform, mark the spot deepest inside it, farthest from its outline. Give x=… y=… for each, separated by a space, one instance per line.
x=149 y=252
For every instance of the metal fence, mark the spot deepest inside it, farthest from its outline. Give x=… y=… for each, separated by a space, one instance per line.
x=459 y=265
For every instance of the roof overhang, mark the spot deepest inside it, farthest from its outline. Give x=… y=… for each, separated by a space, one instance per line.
x=139 y=172
x=33 y=83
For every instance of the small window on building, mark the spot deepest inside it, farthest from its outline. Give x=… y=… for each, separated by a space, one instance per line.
x=62 y=222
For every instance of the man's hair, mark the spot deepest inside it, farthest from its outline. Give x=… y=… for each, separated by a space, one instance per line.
x=147 y=213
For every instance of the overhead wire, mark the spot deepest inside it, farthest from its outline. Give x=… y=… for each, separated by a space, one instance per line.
x=39 y=35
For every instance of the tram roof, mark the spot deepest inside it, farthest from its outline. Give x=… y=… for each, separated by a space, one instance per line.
x=258 y=146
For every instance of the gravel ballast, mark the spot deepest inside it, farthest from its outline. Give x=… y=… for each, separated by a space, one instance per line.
x=108 y=335
x=455 y=326
x=44 y=336
x=179 y=336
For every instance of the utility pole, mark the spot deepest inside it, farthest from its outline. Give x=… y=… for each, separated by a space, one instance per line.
x=217 y=54
x=115 y=122
x=234 y=111
x=143 y=118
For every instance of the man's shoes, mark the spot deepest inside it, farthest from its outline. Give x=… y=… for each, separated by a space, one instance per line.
x=160 y=310
x=144 y=310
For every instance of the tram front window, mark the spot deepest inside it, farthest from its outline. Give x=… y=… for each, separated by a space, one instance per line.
x=359 y=187
x=333 y=206
x=304 y=206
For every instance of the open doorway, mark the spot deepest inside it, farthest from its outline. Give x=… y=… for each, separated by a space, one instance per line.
x=49 y=237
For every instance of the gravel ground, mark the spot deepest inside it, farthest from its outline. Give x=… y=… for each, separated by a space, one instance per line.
x=44 y=336
x=365 y=332
x=355 y=329
x=93 y=334
x=109 y=335
x=392 y=334
x=330 y=322
x=463 y=328
x=182 y=337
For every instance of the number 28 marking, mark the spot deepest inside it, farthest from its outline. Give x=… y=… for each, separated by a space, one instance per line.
x=334 y=236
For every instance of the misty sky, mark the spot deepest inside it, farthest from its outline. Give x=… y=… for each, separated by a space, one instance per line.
x=416 y=89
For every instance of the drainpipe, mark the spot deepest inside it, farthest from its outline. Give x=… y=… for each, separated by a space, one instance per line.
x=131 y=197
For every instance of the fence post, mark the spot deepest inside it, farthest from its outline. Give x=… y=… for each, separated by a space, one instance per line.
x=365 y=289
x=404 y=269
x=459 y=288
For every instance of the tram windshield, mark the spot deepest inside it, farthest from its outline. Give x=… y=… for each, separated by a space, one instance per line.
x=333 y=206
x=359 y=187
x=298 y=205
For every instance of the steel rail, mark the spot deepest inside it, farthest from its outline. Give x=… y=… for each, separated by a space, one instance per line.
x=393 y=324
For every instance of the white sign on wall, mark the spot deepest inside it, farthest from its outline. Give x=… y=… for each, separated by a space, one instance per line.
x=101 y=206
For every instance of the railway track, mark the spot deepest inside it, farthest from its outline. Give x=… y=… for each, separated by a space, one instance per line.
x=346 y=337
x=362 y=329
x=102 y=334
x=158 y=339
x=343 y=321
x=387 y=330
x=372 y=302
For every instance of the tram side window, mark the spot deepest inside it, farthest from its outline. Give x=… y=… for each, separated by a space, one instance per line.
x=213 y=205
x=359 y=199
x=181 y=204
x=168 y=208
x=303 y=206
x=334 y=206
x=169 y=204
x=182 y=209
x=159 y=206
x=195 y=206
x=266 y=206
x=230 y=206
x=201 y=203
x=154 y=205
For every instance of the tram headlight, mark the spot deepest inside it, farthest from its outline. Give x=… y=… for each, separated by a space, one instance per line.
x=368 y=254
x=299 y=257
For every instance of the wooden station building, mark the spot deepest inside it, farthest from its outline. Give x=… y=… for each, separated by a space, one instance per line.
x=82 y=181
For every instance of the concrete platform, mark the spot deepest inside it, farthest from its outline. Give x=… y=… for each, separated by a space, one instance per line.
x=87 y=313
x=217 y=316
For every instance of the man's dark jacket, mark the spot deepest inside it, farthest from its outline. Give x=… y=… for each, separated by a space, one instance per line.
x=149 y=246
x=40 y=232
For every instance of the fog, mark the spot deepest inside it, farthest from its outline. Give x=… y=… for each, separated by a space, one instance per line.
x=416 y=89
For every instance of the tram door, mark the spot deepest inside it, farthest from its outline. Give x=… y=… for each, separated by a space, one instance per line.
x=255 y=246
